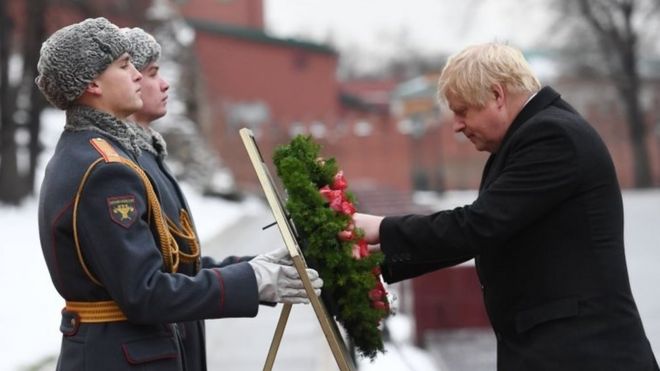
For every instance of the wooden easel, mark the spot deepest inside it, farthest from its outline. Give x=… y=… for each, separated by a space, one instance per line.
x=287 y=231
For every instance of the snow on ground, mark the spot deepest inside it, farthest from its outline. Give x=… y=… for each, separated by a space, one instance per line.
x=400 y=354
x=30 y=313
x=642 y=238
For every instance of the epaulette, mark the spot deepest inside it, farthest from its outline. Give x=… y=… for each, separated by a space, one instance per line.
x=105 y=149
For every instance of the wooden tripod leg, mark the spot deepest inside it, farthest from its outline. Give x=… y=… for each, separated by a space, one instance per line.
x=277 y=337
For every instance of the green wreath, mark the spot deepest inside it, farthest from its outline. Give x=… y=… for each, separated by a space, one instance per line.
x=321 y=207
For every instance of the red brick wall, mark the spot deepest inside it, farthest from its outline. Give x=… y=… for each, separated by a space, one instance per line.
x=448 y=298
x=248 y=13
x=451 y=158
x=295 y=84
x=381 y=159
x=60 y=14
x=240 y=70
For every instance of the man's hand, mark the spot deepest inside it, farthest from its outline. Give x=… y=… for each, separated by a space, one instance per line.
x=370 y=224
x=281 y=283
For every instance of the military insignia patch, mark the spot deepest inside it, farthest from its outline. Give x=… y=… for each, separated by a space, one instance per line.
x=122 y=210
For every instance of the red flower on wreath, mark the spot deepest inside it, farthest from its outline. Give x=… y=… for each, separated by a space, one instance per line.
x=337 y=200
x=339 y=181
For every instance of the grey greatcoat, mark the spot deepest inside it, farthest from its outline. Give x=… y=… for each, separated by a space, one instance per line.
x=163 y=330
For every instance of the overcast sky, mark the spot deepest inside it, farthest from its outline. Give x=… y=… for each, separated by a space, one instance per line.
x=380 y=27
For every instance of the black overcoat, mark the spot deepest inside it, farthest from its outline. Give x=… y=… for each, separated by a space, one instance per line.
x=546 y=232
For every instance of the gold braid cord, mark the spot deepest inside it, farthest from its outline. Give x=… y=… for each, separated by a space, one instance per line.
x=186 y=233
x=165 y=228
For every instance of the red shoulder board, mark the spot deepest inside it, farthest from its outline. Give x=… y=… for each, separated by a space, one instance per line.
x=105 y=149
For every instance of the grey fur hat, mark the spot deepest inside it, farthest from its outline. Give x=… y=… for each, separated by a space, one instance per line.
x=74 y=56
x=144 y=48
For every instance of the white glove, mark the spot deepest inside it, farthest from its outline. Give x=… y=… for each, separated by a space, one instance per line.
x=278 y=256
x=281 y=283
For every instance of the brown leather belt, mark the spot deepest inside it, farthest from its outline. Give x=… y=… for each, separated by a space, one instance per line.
x=96 y=311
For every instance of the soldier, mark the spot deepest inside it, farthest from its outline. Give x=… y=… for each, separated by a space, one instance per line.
x=145 y=52
x=118 y=241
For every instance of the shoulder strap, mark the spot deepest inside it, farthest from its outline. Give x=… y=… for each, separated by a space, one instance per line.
x=106 y=150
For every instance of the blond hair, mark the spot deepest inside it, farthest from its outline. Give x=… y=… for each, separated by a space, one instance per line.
x=470 y=74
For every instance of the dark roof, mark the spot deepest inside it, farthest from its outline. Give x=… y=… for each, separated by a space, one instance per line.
x=256 y=35
x=352 y=101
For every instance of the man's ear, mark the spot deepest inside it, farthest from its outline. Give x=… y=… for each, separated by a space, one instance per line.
x=94 y=88
x=498 y=94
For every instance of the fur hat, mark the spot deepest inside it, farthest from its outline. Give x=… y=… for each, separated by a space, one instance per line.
x=74 y=56
x=144 y=48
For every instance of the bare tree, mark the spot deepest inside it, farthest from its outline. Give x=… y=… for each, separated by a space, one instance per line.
x=9 y=191
x=612 y=22
x=21 y=101
x=35 y=102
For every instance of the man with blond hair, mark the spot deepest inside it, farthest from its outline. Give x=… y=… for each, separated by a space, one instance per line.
x=546 y=230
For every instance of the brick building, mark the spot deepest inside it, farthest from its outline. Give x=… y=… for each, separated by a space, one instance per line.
x=281 y=87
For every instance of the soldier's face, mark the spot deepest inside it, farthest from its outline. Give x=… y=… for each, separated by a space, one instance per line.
x=119 y=87
x=154 y=95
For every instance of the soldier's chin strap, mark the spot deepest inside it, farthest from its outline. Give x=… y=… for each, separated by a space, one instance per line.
x=165 y=228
